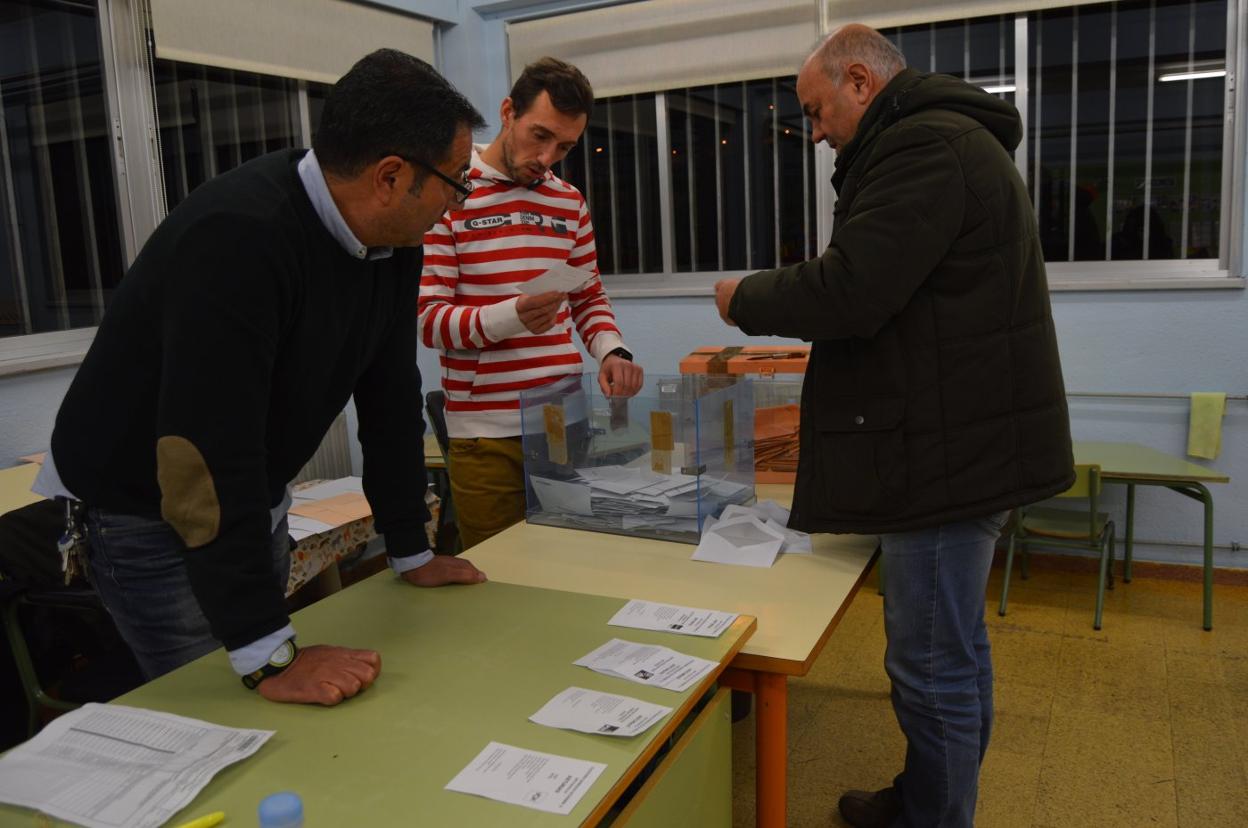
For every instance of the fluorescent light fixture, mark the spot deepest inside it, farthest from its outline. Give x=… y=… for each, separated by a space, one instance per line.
x=999 y=90
x=1201 y=75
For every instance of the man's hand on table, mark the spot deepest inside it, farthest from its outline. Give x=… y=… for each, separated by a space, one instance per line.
x=321 y=674
x=443 y=570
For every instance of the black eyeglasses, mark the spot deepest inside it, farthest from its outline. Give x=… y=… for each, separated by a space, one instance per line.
x=462 y=187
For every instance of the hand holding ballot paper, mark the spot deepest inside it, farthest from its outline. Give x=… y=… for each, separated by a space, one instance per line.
x=561 y=278
x=544 y=295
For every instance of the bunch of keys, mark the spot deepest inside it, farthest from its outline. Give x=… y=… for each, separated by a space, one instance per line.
x=72 y=540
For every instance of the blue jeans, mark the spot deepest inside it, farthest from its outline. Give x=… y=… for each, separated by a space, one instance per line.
x=940 y=664
x=137 y=567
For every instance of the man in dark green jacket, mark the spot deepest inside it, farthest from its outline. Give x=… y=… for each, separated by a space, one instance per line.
x=934 y=401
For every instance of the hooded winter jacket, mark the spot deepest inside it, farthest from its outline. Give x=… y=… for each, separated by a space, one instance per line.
x=934 y=390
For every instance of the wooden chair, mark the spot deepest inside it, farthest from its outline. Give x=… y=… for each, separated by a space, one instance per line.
x=1067 y=528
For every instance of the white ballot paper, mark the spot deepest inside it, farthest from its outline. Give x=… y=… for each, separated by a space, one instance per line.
x=300 y=527
x=105 y=766
x=600 y=713
x=541 y=781
x=743 y=540
x=646 y=664
x=563 y=278
x=644 y=615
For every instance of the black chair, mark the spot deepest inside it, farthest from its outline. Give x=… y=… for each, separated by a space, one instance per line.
x=57 y=634
x=435 y=406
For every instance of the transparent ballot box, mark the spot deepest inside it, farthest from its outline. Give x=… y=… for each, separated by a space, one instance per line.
x=777 y=372
x=656 y=465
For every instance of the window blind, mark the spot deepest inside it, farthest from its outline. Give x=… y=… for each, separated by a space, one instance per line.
x=315 y=40
x=662 y=44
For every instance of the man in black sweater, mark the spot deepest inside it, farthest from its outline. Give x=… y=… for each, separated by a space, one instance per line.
x=257 y=308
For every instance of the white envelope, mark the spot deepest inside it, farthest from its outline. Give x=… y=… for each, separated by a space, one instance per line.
x=560 y=496
x=744 y=541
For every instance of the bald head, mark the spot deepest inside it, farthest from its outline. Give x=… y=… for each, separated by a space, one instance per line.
x=840 y=79
x=856 y=43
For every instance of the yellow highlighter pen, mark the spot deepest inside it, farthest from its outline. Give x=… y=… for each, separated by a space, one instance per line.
x=206 y=821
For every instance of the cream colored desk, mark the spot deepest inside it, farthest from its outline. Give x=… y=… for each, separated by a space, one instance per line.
x=1136 y=465
x=797 y=602
x=461 y=667
x=15 y=483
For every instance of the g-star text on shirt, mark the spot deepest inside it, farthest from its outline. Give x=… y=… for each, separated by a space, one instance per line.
x=491 y=222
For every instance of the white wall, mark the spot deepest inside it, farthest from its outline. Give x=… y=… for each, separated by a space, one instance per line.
x=28 y=404
x=1142 y=341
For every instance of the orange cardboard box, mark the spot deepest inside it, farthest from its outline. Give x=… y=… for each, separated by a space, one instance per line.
x=747 y=359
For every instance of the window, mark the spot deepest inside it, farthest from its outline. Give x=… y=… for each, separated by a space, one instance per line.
x=739 y=185
x=1125 y=129
x=60 y=248
x=1125 y=152
x=742 y=176
x=980 y=51
x=212 y=120
x=615 y=166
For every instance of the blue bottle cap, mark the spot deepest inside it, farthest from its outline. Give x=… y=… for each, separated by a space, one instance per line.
x=281 y=810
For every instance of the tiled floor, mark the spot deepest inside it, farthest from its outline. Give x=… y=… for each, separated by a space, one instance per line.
x=1142 y=723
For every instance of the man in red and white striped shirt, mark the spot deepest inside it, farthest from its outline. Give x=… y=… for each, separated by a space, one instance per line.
x=519 y=221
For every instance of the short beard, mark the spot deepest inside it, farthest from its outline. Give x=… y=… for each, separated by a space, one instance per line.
x=509 y=165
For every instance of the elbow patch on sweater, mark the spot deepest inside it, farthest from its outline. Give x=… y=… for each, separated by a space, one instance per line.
x=188 y=499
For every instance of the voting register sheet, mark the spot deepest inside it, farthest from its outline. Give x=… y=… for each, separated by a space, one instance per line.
x=105 y=766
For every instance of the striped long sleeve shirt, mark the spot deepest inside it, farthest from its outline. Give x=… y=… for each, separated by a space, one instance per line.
x=475 y=259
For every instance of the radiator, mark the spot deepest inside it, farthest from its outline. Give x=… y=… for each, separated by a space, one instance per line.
x=333 y=458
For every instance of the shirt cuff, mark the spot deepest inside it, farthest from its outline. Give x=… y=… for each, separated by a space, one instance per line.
x=410 y=562
x=606 y=342
x=249 y=659
x=502 y=321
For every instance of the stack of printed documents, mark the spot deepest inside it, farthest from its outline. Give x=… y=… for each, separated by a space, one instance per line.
x=107 y=765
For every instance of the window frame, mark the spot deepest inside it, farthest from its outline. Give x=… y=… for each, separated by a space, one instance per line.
x=136 y=167
x=1225 y=272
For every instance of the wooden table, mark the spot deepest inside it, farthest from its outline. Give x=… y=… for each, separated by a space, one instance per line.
x=462 y=666
x=1136 y=465
x=797 y=602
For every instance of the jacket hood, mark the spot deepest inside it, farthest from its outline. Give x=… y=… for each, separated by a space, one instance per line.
x=911 y=92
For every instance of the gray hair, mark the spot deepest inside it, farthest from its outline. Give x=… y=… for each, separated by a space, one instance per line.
x=856 y=43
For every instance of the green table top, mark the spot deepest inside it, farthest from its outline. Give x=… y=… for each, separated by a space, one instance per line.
x=461 y=666
x=1130 y=461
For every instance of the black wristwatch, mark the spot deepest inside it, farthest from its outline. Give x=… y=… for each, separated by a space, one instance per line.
x=282 y=657
x=622 y=353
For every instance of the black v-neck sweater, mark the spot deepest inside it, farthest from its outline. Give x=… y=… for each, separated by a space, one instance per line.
x=243 y=327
